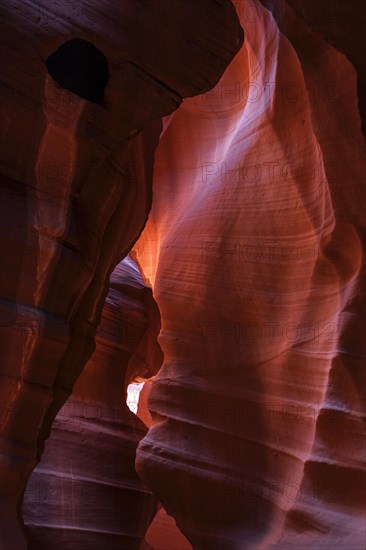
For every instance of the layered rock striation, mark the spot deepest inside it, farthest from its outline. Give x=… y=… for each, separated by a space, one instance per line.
x=85 y=490
x=254 y=249
x=254 y=252
x=76 y=168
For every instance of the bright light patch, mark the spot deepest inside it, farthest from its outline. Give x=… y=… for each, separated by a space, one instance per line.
x=133 y=394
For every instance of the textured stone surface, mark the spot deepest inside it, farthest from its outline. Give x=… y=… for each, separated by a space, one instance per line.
x=255 y=252
x=343 y=24
x=253 y=248
x=85 y=490
x=163 y=533
x=76 y=190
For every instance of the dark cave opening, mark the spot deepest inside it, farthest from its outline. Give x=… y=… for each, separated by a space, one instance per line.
x=80 y=67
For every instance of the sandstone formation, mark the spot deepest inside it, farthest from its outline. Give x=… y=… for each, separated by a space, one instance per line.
x=343 y=25
x=85 y=491
x=254 y=252
x=236 y=171
x=163 y=533
x=76 y=186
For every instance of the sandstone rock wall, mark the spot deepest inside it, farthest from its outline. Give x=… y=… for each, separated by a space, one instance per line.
x=254 y=251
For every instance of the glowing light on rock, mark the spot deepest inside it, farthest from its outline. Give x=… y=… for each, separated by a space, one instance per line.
x=133 y=394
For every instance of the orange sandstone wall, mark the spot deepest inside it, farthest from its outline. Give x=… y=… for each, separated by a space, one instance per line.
x=254 y=252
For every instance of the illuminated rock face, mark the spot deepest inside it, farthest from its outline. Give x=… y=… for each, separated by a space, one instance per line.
x=253 y=249
x=85 y=490
x=76 y=187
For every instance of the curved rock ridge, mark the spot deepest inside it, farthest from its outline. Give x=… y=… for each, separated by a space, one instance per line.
x=76 y=188
x=163 y=533
x=254 y=256
x=334 y=483
x=85 y=490
x=342 y=25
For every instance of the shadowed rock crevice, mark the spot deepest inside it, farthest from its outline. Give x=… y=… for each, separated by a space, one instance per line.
x=80 y=67
x=76 y=185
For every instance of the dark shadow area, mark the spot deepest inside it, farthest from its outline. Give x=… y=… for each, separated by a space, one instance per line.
x=81 y=68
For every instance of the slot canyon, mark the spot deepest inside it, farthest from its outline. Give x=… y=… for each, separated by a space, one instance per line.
x=182 y=275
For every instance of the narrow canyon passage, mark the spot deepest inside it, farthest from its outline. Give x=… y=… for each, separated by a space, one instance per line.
x=183 y=202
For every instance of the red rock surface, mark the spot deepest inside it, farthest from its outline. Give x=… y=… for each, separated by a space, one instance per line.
x=85 y=490
x=163 y=533
x=253 y=249
x=342 y=24
x=76 y=190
